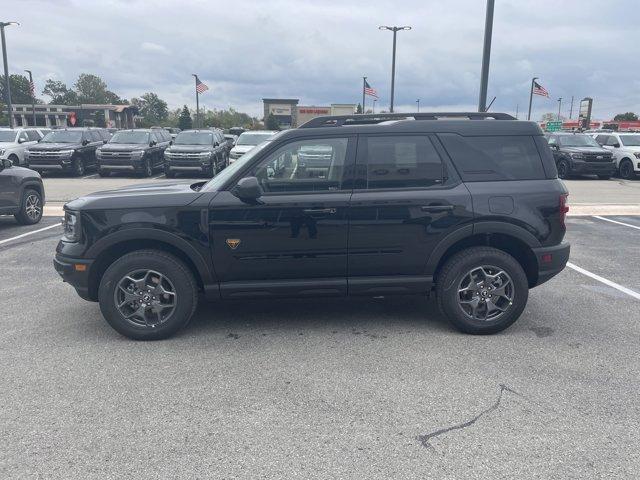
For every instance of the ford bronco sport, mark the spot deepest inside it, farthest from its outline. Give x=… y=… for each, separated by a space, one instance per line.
x=465 y=205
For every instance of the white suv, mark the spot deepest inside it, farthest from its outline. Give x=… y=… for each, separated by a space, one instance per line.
x=14 y=142
x=626 y=151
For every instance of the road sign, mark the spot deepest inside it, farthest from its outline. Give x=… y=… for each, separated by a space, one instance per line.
x=553 y=126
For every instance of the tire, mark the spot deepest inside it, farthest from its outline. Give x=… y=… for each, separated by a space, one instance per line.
x=451 y=280
x=625 y=170
x=563 y=169
x=14 y=160
x=30 y=208
x=176 y=277
x=604 y=177
x=146 y=170
x=77 y=167
x=103 y=173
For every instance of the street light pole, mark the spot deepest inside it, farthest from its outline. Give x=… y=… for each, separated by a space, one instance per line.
x=395 y=31
x=33 y=96
x=364 y=83
x=373 y=110
x=7 y=83
x=533 y=81
x=486 y=55
x=559 y=107
x=418 y=102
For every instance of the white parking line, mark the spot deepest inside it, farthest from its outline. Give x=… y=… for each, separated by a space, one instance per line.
x=615 y=221
x=93 y=175
x=626 y=290
x=156 y=178
x=30 y=233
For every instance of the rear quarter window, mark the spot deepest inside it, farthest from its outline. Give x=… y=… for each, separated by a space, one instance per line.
x=494 y=158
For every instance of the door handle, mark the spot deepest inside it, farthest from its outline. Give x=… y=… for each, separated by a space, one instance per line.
x=436 y=208
x=317 y=211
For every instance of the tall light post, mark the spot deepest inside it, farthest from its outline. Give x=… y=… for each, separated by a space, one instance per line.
x=374 y=106
x=7 y=86
x=486 y=55
x=418 y=103
x=395 y=30
x=33 y=96
x=559 y=107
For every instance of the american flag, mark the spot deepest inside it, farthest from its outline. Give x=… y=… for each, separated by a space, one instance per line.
x=370 y=91
x=539 y=90
x=200 y=87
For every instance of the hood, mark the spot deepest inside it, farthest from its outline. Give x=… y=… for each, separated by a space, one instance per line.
x=189 y=148
x=148 y=195
x=123 y=147
x=597 y=150
x=8 y=144
x=54 y=146
x=21 y=172
x=242 y=148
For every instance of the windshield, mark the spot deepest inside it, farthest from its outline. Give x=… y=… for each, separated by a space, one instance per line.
x=253 y=138
x=194 y=138
x=630 y=140
x=577 y=141
x=130 y=137
x=62 y=136
x=7 y=136
x=216 y=182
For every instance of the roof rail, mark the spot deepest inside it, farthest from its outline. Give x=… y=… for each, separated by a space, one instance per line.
x=373 y=118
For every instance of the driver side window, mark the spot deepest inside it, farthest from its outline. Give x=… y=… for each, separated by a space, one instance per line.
x=304 y=166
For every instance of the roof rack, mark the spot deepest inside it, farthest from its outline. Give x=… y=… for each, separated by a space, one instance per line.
x=374 y=118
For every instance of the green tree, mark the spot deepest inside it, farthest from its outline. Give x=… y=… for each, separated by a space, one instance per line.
x=359 y=109
x=152 y=108
x=271 y=123
x=184 y=121
x=20 y=92
x=4 y=120
x=92 y=89
x=59 y=93
x=621 y=117
x=551 y=117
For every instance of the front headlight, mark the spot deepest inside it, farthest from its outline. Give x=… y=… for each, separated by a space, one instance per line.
x=2 y=150
x=137 y=154
x=577 y=156
x=637 y=154
x=71 y=227
x=65 y=153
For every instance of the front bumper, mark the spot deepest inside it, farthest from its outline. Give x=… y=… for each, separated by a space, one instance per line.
x=594 y=168
x=75 y=272
x=551 y=261
x=49 y=164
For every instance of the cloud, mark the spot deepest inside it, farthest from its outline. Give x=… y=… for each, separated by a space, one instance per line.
x=319 y=51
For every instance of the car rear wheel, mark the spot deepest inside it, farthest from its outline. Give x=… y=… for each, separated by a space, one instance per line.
x=482 y=290
x=626 y=169
x=148 y=295
x=30 y=208
x=563 y=169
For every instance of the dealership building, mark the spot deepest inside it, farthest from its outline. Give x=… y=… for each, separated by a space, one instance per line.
x=118 y=116
x=289 y=114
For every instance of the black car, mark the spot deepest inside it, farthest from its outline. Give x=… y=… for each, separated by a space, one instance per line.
x=139 y=151
x=580 y=154
x=470 y=209
x=21 y=193
x=196 y=151
x=67 y=149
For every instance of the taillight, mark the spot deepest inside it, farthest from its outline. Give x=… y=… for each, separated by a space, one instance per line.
x=564 y=208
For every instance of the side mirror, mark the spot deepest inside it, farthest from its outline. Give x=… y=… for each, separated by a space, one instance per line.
x=105 y=141
x=616 y=145
x=85 y=142
x=170 y=142
x=152 y=143
x=6 y=163
x=248 y=188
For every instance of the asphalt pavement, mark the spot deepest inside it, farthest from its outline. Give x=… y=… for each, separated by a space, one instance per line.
x=328 y=388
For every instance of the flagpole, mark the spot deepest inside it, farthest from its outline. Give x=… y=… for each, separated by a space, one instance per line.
x=197 y=101
x=33 y=96
x=364 y=81
x=533 y=80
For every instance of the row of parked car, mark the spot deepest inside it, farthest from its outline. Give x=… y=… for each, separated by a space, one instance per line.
x=138 y=151
x=598 y=153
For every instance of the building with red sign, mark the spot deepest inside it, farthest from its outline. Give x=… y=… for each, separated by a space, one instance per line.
x=289 y=114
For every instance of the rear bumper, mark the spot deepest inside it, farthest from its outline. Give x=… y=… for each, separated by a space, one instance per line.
x=67 y=268
x=551 y=261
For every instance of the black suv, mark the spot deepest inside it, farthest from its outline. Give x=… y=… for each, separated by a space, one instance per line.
x=140 y=151
x=468 y=206
x=196 y=151
x=21 y=193
x=580 y=154
x=67 y=149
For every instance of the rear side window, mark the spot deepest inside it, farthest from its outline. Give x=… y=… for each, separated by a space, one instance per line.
x=492 y=158
x=402 y=161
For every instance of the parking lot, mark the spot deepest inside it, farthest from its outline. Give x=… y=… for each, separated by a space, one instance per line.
x=339 y=388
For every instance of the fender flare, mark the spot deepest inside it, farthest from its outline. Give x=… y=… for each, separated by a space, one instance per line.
x=31 y=183
x=202 y=264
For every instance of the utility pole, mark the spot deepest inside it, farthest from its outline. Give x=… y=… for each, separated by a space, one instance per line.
x=517 y=111
x=7 y=82
x=197 y=101
x=571 y=108
x=32 y=90
x=533 y=81
x=418 y=102
x=559 y=107
x=395 y=30
x=486 y=56
x=374 y=105
x=364 y=82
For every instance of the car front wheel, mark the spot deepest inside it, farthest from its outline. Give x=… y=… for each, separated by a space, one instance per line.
x=148 y=295
x=563 y=169
x=77 y=167
x=482 y=290
x=30 y=208
x=626 y=170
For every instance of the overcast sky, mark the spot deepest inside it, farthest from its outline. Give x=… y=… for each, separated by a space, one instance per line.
x=318 y=51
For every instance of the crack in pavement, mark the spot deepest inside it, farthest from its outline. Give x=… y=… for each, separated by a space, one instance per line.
x=424 y=439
